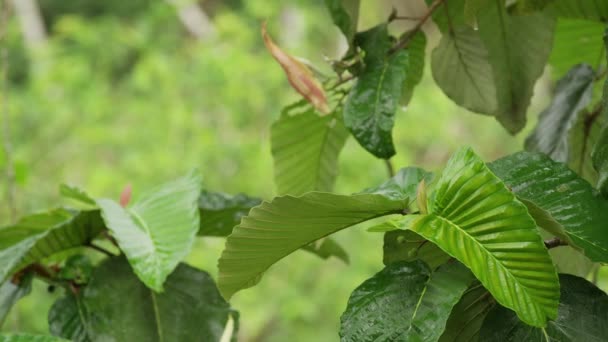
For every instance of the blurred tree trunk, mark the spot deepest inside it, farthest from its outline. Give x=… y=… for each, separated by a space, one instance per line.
x=30 y=20
x=194 y=19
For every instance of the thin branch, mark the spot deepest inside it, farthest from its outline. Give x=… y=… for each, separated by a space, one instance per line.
x=406 y=38
x=389 y=168
x=100 y=249
x=555 y=242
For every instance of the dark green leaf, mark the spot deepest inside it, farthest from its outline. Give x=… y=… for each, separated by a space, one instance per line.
x=518 y=48
x=344 y=14
x=220 y=212
x=582 y=316
x=415 y=66
x=552 y=133
x=600 y=161
x=157 y=232
x=38 y=236
x=528 y=6
x=582 y=36
x=305 y=148
x=404 y=302
x=403 y=185
x=468 y=314
x=118 y=306
x=580 y=9
x=10 y=293
x=583 y=137
x=570 y=201
x=369 y=112
x=276 y=229
x=477 y=220
x=405 y=245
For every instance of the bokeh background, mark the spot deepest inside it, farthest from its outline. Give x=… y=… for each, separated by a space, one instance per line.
x=100 y=94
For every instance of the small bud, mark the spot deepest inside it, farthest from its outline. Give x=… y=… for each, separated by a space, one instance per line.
x=125 y=196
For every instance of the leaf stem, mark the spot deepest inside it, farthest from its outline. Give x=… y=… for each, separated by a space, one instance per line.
x=389 y=168
x=407 y=37
x=555 y=242
x=100 y=249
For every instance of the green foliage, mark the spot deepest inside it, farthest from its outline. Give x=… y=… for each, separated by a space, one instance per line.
x=468 y=315
x=404 y=302
x=29 y=338
x=345 y=14
x=220 y=212
x=405 y=245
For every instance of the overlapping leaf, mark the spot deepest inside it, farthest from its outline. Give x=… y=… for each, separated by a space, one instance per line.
x=468 y=314
x=405 y=245
x=158 y=230
x=305 y=148
x=582 y=316
x=369 y=112
x=477 y=220
x=116 y=305
x=275 y=229
x=220 y=212
x=403 y=185
x=404 y=302
x=570 y=201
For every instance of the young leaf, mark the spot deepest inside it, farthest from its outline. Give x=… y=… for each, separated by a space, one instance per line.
x=369 y=112
x=552 y=133
x=518 y=48
x=582 y=316
x=415 y=66
x=474 y=218
x=10 y=293
x=404 y=302
x=405 y=245
x=344 y=14
x=276 y=229
x=298 y=75
x=570 y=201
x=220 y=212
x=468 y=314
x=158 y=230
x=38 y=236
x=305 y=148
x=190 y=309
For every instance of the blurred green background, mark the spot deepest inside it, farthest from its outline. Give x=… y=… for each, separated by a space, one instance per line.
x=122 y=92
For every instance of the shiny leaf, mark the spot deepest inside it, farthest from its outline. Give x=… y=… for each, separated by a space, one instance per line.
x=570 y=201
x=157 y=232
x=276 y=229
x=404 y=302
x=220 y=212
x=405 y=245
x=369 y=112
x=582 y=316
x=305 y=148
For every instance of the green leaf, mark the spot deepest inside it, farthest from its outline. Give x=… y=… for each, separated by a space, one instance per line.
x=468 y=314
x=38 y=236
x=570 y=261
x=581 y=36
x=415 y=66
x=404 y=302
x=344 y=14
x=369 y=112
x=460 y=63
x=572 y=94
x=305 y=148
x=570 y=201
x=518 y=48
x=326 y=248
x=471 y=10
x=583 y=137
x=528 y=6
x=78 y=195
x=116 y=305
x=403 y=185
x=157 y=232
x=405 y=245
x=10 y=293
x=600 y=161
x=582 y=316
x=580 y=9
x=29 y=338
x=220 y=212
x=276 y=229
x=474 y=218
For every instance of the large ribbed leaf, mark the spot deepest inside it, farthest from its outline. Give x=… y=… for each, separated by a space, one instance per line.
x=580 y=9
x=460 y=63
x=369 y=112
x=570 y=201
x=116 y=306
x=477 y=220
x=582 y=316
x=404 y=302
x=275 y=229
x=41 y=235
x=552 y=133
x=220 y=212
x=158 y=230
x=344 y=14
x=582 y=36
x=305 y=148
x=10 y=293
x=518 y=48
x=468 y=314
x=29 y=338
x=415 y=66
x=405 y=245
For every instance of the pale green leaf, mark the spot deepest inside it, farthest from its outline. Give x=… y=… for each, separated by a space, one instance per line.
x=344 y=14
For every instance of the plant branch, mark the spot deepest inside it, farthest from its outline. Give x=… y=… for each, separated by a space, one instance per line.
x=389 y=168
x=555 y=242
x=100 y=249
x=407 y=37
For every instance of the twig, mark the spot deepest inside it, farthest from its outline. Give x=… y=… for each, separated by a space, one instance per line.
x=555 y=242
x=100 y=249
x=406 y=38
x=389 y=168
